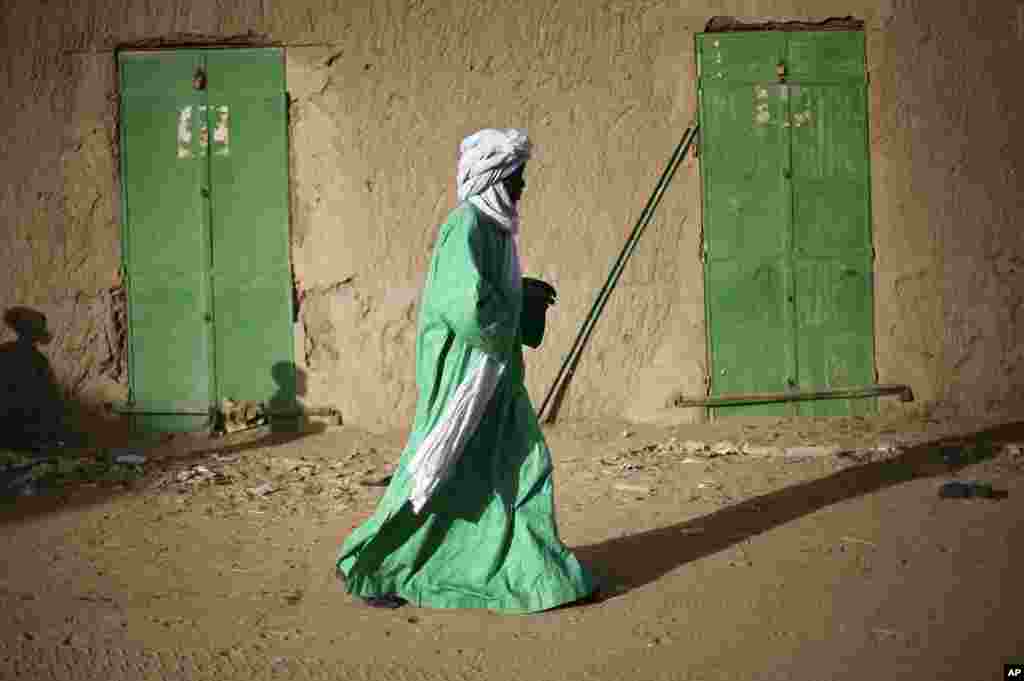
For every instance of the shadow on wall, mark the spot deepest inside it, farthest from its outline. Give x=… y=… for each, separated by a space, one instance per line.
x=291 y=385
x=33 y=414
x=290 y=423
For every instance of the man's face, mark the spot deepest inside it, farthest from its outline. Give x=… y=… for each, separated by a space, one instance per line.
x=515 y=184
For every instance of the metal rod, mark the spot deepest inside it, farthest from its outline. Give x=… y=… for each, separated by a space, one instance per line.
x=903 y=391
x=611 y=275
x=172 y=411
x=560 y=386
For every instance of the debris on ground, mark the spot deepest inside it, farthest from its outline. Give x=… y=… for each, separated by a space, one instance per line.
x=236 y=416
x=30 y=474
x=970 y=490
x=812 y=451
x=966 y=454
x=129 y=457
x=262 y=490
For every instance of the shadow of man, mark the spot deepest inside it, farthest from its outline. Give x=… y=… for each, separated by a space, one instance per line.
x=635 y=560
x=291 y=384
x=32 y=412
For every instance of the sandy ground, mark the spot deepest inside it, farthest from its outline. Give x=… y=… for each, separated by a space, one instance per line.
x=766 y=560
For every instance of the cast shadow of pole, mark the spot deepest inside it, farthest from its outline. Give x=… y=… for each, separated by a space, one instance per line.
x=33 y=415
x=640 y=559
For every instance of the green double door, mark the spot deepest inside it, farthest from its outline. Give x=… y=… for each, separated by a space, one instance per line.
x=204 y=167
x=787 y=218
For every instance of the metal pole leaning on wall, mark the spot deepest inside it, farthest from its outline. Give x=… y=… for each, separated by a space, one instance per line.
x=565 y=374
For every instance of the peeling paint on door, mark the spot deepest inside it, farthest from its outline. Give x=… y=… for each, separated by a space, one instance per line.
x=204 y=131
x=221 y=140
x=185 y=132
x=803 y=118
x=762 y=115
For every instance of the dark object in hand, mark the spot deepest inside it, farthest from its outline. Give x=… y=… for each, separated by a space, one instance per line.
x=538 y=296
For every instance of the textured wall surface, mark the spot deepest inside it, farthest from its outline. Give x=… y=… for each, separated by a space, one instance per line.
x=382 y=92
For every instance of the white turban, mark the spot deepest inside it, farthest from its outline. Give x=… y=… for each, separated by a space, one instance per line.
x=485 y=159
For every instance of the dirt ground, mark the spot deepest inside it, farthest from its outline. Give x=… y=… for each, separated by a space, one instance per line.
x=769 y=549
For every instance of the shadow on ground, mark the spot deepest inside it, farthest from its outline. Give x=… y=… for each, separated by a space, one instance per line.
x=46 y=468
x=633 y=561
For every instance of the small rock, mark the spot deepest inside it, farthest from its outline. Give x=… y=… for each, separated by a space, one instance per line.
x=967 y=490
x=262 y=490
x=634 y=489
x=129 y=457
x=376 y=481
x=953 y=455
x=1014 y=449
x=888 y=446
x=627 y=433
x=195 y=474
x=724 y=448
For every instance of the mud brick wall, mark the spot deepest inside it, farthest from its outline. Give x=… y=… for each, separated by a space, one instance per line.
x=381 y=93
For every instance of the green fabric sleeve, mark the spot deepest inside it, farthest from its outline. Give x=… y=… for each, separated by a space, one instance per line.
x=473 y=306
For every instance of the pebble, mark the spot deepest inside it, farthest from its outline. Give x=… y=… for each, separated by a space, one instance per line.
x=888 y=446
x=635 y=489
x=262 y=490
x=724 y=448
x=129 y=457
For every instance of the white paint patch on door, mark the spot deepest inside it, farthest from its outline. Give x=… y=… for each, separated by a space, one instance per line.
x=185 y=132
x=204 y=131
x=221 y=138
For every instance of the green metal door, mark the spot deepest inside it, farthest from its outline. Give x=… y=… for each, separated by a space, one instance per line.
x=784 y=162
x=165 y=240
x=205 y=239
x=251 y=270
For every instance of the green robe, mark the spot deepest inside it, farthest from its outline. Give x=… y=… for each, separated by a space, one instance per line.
x=487 y=538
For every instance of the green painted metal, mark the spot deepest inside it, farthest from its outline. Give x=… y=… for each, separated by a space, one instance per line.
x=164 y=236
x=788 y=258
x=748 y=280
x=251 y=269
x=205 y=231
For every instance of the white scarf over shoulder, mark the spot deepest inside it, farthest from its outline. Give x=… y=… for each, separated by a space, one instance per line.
x=486 y=158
